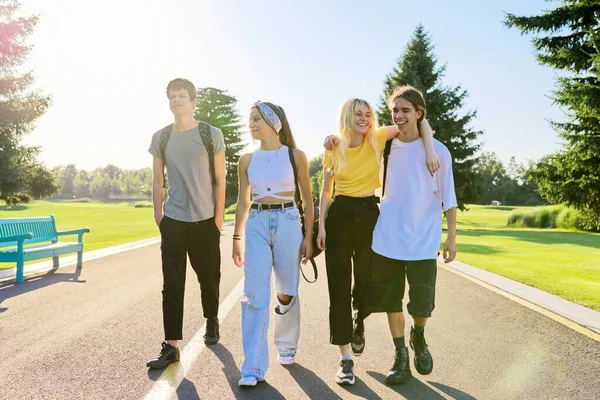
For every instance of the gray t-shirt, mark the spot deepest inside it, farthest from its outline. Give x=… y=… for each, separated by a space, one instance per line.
x=190 y=197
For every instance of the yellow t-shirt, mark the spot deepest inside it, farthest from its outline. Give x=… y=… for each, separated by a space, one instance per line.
x=360 y=175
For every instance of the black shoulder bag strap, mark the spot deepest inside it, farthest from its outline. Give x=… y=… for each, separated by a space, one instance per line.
x=165 y=134
x=204 y=129
x=301 y=212
x=386 y=155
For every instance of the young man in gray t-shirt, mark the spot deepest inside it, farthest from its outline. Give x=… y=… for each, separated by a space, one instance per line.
x=189 y=219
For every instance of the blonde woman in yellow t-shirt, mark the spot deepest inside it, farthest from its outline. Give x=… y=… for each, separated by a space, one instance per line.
x=346 y=224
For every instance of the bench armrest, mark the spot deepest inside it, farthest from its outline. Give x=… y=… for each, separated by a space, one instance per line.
x=73 y=232
x=17 y=238
x=78 y=232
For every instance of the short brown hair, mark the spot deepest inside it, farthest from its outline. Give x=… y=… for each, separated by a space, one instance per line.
x=180 y=83
x=411 y=94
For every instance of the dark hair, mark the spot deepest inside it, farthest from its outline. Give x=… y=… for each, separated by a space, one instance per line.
x=411 y=94
x=285 y=134
x=180 y=83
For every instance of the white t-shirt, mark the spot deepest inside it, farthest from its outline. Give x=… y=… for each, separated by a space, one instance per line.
x=410 y=221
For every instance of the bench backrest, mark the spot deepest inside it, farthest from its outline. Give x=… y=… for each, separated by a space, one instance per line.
x=43 y=229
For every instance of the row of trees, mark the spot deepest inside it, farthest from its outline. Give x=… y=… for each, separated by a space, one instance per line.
x=104 y=183
x=511 y=185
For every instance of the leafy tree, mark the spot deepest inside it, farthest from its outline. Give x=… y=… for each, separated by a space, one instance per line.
x=491 y=173
x=114 y=172
x=217 y=108
x=67 y=176
x=102 y=185
x=43 y=183
x=315 y=165
x=81 y=184
x=510 y=186
x=567 y=38
x=132 y=184
x=315 y=171
x=20 y=105
x=418 y=67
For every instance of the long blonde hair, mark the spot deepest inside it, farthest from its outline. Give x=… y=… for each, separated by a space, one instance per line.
x=345 y=124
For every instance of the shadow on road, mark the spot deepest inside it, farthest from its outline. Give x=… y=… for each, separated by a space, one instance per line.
x=10 y=289
x=360 y=389
x=261 y=391
x=187 y=390
x=412 y=389
x=154 y=374
x=313 y=386
x=450 y=391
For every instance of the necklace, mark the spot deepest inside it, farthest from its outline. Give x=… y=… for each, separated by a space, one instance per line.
x=273 y=154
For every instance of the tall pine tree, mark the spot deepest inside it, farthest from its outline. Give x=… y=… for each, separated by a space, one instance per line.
x=568 y=39
x=20 y=105
x=217 y=108
x=418 y=67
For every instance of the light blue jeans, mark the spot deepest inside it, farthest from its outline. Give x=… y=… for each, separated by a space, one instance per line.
x=273 y=243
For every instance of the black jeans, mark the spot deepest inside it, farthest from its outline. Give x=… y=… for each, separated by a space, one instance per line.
x=201 y=242
x=349 y=227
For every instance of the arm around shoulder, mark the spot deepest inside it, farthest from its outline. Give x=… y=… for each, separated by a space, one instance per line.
x=445 y=178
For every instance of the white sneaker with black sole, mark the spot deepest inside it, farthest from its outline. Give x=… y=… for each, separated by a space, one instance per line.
x=345 y=373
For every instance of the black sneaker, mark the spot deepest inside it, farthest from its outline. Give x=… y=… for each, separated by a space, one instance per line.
x=423 y=360
x=400 y=371
x=345 y=373
x=168 y=355
x=358 y=338
x=212 y=331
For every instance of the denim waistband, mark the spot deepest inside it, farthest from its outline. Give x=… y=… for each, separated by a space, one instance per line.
x=275 y=206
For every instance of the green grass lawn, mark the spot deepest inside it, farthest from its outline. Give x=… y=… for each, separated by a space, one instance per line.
x=562 y=262
x=110 y=223
x=565 y=263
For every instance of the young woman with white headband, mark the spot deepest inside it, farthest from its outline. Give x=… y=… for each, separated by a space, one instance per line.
x=273 y=240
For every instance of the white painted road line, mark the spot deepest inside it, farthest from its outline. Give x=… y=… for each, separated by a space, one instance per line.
x=170 y=380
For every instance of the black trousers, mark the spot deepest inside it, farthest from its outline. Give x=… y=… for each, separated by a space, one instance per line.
x=349 y=226
x=201 y=242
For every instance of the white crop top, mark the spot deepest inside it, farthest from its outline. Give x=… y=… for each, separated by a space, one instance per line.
x=269 y=173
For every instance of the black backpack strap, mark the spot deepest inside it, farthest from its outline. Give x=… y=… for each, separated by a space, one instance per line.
x=297 y=191
x=386 y=154
x=165 y=134
x=301 y=212
x=204 y=129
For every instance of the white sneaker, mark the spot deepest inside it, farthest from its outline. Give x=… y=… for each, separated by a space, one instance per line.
x=248 y=381
x=287 y=358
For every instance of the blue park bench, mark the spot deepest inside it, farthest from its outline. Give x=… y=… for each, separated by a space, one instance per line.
x=15 y=233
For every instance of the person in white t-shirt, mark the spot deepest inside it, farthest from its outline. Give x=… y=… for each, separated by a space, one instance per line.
x=408 y=233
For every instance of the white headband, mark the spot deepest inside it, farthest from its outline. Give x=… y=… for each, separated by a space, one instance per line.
x=270 y=115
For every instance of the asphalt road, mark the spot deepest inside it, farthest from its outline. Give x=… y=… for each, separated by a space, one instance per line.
x=88 y=335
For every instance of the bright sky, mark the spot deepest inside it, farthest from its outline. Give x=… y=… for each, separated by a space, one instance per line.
x=106 y=65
